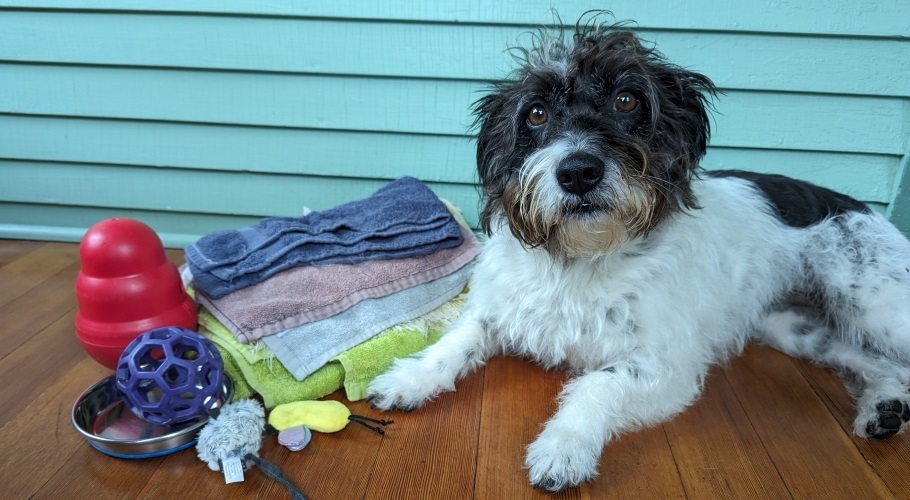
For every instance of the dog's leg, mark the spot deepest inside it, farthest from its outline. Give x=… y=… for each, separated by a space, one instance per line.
x=883 y=402
x=857 y=278
x=878 y=359
x=868 y=291
x=599 y=405
x=878 y=383
x=857 y=269
x=410 y=382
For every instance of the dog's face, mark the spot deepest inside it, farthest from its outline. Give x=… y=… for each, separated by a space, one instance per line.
x=590 y=143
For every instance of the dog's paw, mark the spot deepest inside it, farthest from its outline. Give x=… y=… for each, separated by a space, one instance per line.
x=406 y=386
x=889 y=417
x=561 y=459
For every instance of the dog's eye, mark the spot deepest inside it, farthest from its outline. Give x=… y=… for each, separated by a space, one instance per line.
x=625 y=102
x=537 y=116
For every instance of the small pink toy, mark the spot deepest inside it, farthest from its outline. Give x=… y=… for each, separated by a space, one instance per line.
x=126 y=287
x=295 y=438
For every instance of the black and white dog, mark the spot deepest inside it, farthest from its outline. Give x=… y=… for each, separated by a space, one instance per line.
x=611 y=253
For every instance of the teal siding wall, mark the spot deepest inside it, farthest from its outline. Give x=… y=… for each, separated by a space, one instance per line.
x=204 y=115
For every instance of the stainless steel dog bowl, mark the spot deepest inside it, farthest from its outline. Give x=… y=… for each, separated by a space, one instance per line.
x=100 y=415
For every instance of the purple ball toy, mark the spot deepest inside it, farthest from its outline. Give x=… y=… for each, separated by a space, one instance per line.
x=170 y=375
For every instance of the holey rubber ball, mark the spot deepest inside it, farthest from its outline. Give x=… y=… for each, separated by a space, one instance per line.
x=170 y=375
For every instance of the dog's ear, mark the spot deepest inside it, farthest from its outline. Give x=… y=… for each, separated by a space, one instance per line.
x=681 y=129
x=681 y=111
x=495 y=143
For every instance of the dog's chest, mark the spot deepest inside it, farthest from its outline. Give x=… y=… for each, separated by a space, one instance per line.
x=582 y=315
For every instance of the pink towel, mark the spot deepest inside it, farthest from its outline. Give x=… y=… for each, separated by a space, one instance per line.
x=305 y=294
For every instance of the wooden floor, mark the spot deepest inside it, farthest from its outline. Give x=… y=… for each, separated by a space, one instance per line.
x=767 y=426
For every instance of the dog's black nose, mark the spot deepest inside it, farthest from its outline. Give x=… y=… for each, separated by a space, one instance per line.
x=579 y=173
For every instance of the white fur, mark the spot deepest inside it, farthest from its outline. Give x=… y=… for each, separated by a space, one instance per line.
x=641 y=324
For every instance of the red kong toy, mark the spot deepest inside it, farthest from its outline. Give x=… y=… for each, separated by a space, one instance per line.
x=126 y=287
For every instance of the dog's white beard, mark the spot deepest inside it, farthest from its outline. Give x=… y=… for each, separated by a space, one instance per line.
x=576 y=238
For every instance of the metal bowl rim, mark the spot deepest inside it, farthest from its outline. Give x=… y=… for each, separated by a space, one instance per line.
x=227 y=391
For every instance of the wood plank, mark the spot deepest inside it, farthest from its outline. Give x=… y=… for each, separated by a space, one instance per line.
x=68 y=223
x=34 y=267
x=56 y=222
x=53 y=350
x=433 y=448
x=11 y=250
x=518 y=398
x=719 y=454
x=822 y=118
x=199 y=191
x=899 y=209
x=182 y=474
x=255 y=195
x=41 y=439
x=29 y=313
x=175 y=255
x=788 y=63
x=838 y=18
x=888 y=458
x=92 y=475
x=764 y=415
x=812 y=453
x=337 y=465
x=327 y=153
x=301 y=101
x=48 y=355
x=637 y=465
x=867 y=177
x=345 y=47
x=785 y=120
x=349 y=454
x=42 y=360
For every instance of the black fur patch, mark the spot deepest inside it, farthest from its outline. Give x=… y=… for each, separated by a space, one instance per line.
x=797 y=203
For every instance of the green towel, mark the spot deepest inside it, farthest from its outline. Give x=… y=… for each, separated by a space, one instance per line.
x=268 y=377
x=242 y=390
x=352 y=369
x=368 y=360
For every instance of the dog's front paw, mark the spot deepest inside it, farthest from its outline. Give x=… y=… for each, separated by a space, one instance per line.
x=560 y=459
x=406 y=386
x=888 y=419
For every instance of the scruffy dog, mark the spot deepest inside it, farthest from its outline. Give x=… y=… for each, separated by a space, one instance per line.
x=611 y=253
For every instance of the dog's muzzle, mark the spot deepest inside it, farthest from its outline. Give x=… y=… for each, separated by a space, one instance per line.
x=579 y=173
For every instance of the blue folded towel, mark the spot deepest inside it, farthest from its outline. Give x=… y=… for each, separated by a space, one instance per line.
x=403 y=219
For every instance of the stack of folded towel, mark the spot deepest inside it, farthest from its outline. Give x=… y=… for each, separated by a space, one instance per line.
x=301 y=307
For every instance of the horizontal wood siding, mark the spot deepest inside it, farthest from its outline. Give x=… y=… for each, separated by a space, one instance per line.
x=198 y=116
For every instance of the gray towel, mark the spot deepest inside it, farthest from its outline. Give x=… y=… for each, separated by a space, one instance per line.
x=305 y=348
x=403 y=219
